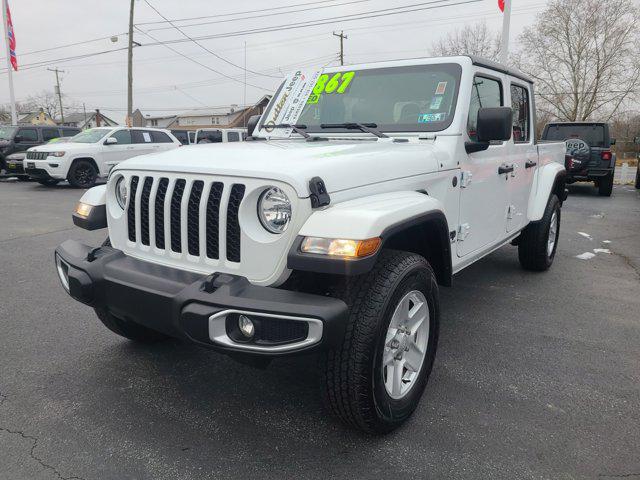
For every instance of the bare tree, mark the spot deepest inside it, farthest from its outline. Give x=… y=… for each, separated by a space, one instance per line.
x=474 y=39
x=45 y=100
x=584 y=57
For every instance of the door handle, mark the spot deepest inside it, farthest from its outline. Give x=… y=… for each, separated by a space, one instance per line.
x=505 y=169
x=530 y=164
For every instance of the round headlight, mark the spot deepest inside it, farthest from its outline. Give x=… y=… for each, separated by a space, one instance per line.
x=121 y=192
x=274 y=210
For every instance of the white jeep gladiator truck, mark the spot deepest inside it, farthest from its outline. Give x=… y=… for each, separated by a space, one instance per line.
x=360 y=191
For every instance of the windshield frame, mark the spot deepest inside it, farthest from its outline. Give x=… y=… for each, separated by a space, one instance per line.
x=453 y=68
x=106 y=131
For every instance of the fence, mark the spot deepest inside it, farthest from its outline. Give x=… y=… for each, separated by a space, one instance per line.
x=625 y=174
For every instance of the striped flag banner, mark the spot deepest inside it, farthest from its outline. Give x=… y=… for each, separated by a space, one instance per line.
x=501 y=5
x=12 y=41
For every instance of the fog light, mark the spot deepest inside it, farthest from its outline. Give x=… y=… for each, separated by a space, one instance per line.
x=246 y=326
x=63 y=272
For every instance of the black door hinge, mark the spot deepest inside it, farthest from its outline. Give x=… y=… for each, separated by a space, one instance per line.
x=319 y=196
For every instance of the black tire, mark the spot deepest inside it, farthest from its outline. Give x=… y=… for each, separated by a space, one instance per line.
x=82 y=174
x=23 y=178
x=353 y=372
x=130 y=330
x=605 y=186
x=638 y=176
x=533 y=243
x=48 y=182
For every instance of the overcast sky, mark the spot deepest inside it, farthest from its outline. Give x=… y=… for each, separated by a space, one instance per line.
x=166 y=81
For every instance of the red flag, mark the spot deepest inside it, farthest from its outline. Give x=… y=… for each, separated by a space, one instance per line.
x=12 y=41
x=501 y=5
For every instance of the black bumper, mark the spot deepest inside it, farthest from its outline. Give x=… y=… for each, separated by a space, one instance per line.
x=38 y=173
x=14 y=167
x=589 y=174
x=180 y=303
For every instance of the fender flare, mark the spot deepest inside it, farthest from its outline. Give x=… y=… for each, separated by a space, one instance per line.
x=96 y=197
x=550 y=179
x=385 y=216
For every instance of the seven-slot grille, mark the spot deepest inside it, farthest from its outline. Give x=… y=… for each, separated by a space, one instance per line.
x=37 y=155
x=161 y=200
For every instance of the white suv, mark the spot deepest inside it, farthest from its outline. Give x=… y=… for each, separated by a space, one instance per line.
x=89 y=155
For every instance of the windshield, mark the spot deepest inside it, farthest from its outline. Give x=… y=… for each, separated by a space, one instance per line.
x=416 y=98
x=92 y=135
x=593 y=134
x=6 y=133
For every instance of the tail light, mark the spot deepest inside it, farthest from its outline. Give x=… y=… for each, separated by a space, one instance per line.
x=606 y=156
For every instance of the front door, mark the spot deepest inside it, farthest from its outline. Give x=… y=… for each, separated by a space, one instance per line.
x=523 y=156
x=114 y=153
x=483 y=192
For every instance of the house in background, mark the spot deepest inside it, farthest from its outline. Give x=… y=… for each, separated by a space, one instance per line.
x=39 y=117
x=88 y=120
x=206 y=118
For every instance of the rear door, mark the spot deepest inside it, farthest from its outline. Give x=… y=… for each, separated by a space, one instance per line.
x=142 y=142
x=26 y=138
x=162 y=141
x=523 y=155
x=49 y=134
x=483 y=192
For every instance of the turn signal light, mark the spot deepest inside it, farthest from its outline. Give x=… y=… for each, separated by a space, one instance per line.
x=341 y=247
x=606 y=156
x=83 y=209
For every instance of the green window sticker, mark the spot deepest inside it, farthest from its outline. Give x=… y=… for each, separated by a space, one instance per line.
x=336 y=83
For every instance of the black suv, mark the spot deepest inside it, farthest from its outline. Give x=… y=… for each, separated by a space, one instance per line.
x=589 y=156
x=18 y=139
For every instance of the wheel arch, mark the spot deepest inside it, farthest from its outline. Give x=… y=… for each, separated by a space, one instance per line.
x=552 y=179
x=409 y=221
x=90 y=159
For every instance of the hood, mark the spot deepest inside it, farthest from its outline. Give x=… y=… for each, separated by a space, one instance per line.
x=341 y=164
x=62 y=146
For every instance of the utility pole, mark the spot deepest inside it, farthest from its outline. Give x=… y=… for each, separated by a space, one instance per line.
x=244 y=95
x=84 y=109
x=58 y=90
x=130 y=68
x=506 y=22
x=342 y=38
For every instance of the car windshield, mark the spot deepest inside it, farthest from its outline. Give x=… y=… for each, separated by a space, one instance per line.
x=592 y=134
x=6 y=133
x=92 y=135
x=415 y=98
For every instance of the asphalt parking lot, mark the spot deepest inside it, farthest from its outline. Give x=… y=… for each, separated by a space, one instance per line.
x=536 y=376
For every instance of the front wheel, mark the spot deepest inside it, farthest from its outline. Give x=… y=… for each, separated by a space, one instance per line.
x=375 y=379
x=82 y=174
x=539 y=241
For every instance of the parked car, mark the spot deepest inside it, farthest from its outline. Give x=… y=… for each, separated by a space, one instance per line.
x=590 y=158
x=60 y=139
x=85 y=157
x=20 y=138
x=220 y=135
x=638 y=174
x=333 y=233
x=184 y=136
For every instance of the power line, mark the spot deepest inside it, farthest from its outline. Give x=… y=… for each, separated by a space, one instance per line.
x=199 y=44
x=262 y=15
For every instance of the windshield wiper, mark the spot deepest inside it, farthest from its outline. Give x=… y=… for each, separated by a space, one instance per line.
x=363 y=127
x=299 y=129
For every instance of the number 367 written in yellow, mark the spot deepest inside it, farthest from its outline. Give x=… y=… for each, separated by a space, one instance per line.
x=336 y=83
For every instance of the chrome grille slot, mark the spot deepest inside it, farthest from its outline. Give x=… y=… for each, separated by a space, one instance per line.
x=213 y=220
x=37 y=155
x=163 y=184
x=193 y=218
x=144 y=210
x=131 y=210
x=176 y=203
x=233 y=225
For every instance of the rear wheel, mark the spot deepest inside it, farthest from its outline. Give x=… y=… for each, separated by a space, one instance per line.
x=374 y=380
x=48 y=182
x=605 y=186
x=82 y=174
x=539 y=241
x=638 y=175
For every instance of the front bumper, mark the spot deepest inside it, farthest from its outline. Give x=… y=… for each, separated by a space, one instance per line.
x=14 y=167
x=42 y=170
x=193 y=307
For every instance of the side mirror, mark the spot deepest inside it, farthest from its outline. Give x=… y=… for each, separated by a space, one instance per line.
x=612 y=141
x=111 y=141
x=494 y=124
x=252 y=123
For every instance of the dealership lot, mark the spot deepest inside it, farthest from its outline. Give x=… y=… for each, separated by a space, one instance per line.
x=550 y=389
